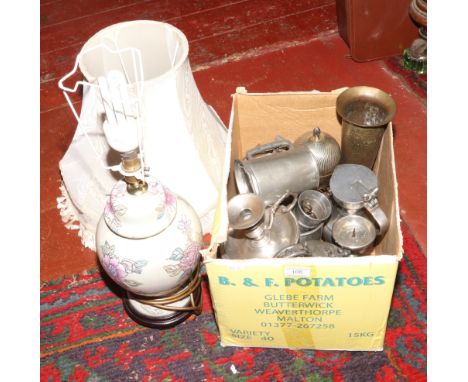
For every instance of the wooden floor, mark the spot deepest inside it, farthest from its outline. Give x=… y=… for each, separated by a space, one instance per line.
x=274 y=45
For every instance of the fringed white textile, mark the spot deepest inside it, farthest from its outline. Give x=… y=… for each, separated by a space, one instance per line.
x=70 y=218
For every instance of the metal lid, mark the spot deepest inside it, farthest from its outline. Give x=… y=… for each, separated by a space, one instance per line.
x=351 y=185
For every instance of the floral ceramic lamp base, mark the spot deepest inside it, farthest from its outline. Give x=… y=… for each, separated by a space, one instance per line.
x=148 y=243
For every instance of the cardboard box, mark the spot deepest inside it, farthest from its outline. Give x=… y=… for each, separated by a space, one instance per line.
x=302 y=303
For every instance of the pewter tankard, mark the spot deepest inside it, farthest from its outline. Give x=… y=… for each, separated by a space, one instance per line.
x=274 y=168
x=365 y=112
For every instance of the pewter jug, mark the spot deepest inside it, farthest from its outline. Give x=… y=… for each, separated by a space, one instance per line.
x=257 y=230
x=325 y=149
x=274 y=168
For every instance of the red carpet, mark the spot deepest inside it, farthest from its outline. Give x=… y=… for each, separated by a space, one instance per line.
x=86 y=335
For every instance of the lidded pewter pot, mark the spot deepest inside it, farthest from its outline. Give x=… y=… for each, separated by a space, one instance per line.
x=325 y=150
x=355 y=188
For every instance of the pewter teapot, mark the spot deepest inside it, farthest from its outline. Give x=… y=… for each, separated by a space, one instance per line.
x=259 y=230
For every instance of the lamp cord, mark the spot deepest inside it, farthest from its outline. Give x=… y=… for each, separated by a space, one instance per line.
x=165 y=302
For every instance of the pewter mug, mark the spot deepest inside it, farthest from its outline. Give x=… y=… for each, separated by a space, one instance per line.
x=365 y=112
x=274 y=168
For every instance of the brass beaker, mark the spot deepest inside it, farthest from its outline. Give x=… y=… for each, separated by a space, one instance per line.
x=365 y=112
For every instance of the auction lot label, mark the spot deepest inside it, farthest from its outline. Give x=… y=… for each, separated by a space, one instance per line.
x=306 y=304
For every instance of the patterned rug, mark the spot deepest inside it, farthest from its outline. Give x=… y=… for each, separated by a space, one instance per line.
x=87 y=336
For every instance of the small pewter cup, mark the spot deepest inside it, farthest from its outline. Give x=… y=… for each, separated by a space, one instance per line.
x=312 y=209
x=365 y=112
